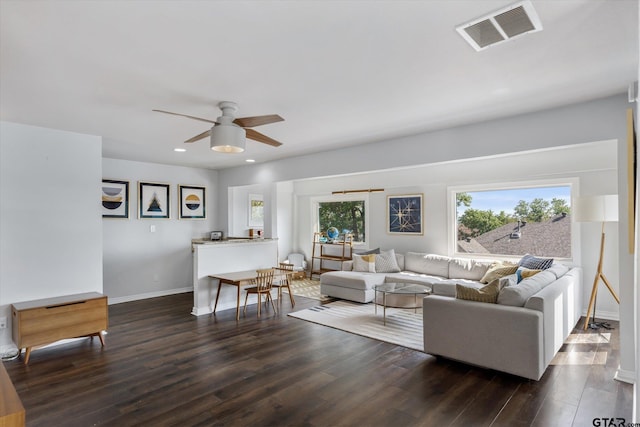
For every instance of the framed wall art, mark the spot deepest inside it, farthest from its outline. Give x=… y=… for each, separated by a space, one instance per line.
x=256 y=210
x=192 y=202
x=153 y=200
x=404 y=214
x=115 y=199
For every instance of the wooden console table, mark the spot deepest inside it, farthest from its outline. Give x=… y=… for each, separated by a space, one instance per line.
x=44 y=321
x=11 y=410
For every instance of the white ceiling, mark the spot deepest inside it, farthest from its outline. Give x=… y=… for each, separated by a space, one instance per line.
x=339 y=72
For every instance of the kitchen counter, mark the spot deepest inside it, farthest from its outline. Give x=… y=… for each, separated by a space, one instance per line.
x=225 y=256
x=228 y=241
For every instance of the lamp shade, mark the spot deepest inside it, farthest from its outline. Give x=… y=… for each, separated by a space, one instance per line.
x=603 y=208
x=228 y=138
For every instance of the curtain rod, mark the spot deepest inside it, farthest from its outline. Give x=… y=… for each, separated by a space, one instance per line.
x=369 y=190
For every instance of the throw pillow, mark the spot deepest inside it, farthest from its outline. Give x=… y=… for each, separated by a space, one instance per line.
x=364 y=263
x=488 y=293
x=368 y=252
x=386 y=262
x=523 y=273
x=498 y=270
x=535 y=263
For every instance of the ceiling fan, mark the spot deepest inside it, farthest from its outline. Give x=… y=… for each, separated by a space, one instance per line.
x=228 y=133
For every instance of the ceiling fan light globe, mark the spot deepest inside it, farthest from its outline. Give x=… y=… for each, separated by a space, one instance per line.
x=228 y=138
x=227 y=149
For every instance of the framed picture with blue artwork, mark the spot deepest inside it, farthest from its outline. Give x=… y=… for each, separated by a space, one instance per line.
x=153 y=200
x=115 y=199
x=192 y=202
x=404 y=214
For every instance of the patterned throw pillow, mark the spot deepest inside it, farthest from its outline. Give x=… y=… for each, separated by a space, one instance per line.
x=534 y=263
x=498 y=270
x=364 y=263
x=523 y=273
x=488 y=293
x=386 y=262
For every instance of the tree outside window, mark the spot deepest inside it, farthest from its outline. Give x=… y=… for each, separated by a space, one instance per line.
x=347 y=216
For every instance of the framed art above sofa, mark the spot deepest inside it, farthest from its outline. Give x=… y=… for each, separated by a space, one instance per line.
x=404 y=214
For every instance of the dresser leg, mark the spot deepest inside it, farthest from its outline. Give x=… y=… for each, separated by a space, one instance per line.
x=101 y=338
x=27 y=354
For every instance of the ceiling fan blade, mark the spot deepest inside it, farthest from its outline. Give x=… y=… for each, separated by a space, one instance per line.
x=185 y=115
x=249 y=122
x=204 y=134
x=257 y=136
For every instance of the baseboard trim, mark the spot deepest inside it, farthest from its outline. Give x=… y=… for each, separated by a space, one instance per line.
x=608 y=315
x=625 y=376
x=128 y=298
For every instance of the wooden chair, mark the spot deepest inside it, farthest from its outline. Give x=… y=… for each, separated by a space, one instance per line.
x=288 y=273
x=263 y=285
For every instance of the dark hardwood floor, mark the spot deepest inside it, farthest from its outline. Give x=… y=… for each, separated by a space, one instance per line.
x=163 y=366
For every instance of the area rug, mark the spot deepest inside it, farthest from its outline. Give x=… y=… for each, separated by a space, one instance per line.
x=308 y=288
x=404 y=327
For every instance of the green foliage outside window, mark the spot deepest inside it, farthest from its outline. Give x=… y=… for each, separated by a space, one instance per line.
x=347 y=217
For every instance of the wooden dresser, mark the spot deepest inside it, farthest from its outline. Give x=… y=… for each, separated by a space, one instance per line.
x=11 y=409
x=44 y=321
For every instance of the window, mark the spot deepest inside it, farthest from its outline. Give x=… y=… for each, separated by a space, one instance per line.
x=513 y=221
x=348 y=216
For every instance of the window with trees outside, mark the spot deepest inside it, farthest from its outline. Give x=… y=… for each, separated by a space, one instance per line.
x=347 y=216
x=515 y=221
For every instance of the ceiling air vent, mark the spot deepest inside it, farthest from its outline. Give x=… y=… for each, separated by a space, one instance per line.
x=501 y=25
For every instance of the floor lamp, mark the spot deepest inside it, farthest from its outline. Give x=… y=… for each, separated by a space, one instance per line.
x=602 y=209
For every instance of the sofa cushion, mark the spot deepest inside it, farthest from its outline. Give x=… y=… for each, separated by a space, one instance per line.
x=412 y=277
x=508 y=280
x=460 y=268
x=488 y=293
x=386 y=262
x=434 y=265
x=364 y=263
x=352 y=279
x=498 y=270
x=518 y=295
x=558 y=269
x=535 y=263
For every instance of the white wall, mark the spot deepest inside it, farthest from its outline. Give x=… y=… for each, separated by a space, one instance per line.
x=238 y=225
x=50 y=231
x=285 y=219
x=278 y=213
x=139 y=263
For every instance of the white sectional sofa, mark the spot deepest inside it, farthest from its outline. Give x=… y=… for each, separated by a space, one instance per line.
x=519 y=334
x=441 y=273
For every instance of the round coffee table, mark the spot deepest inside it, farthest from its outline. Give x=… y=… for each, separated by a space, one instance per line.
x=399 y=289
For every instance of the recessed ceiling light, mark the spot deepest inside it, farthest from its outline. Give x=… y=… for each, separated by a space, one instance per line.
x=179 y=150
x=250 y=161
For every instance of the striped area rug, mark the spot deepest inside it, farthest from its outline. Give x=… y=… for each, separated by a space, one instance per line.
x=308 y=288
x=404 y=327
